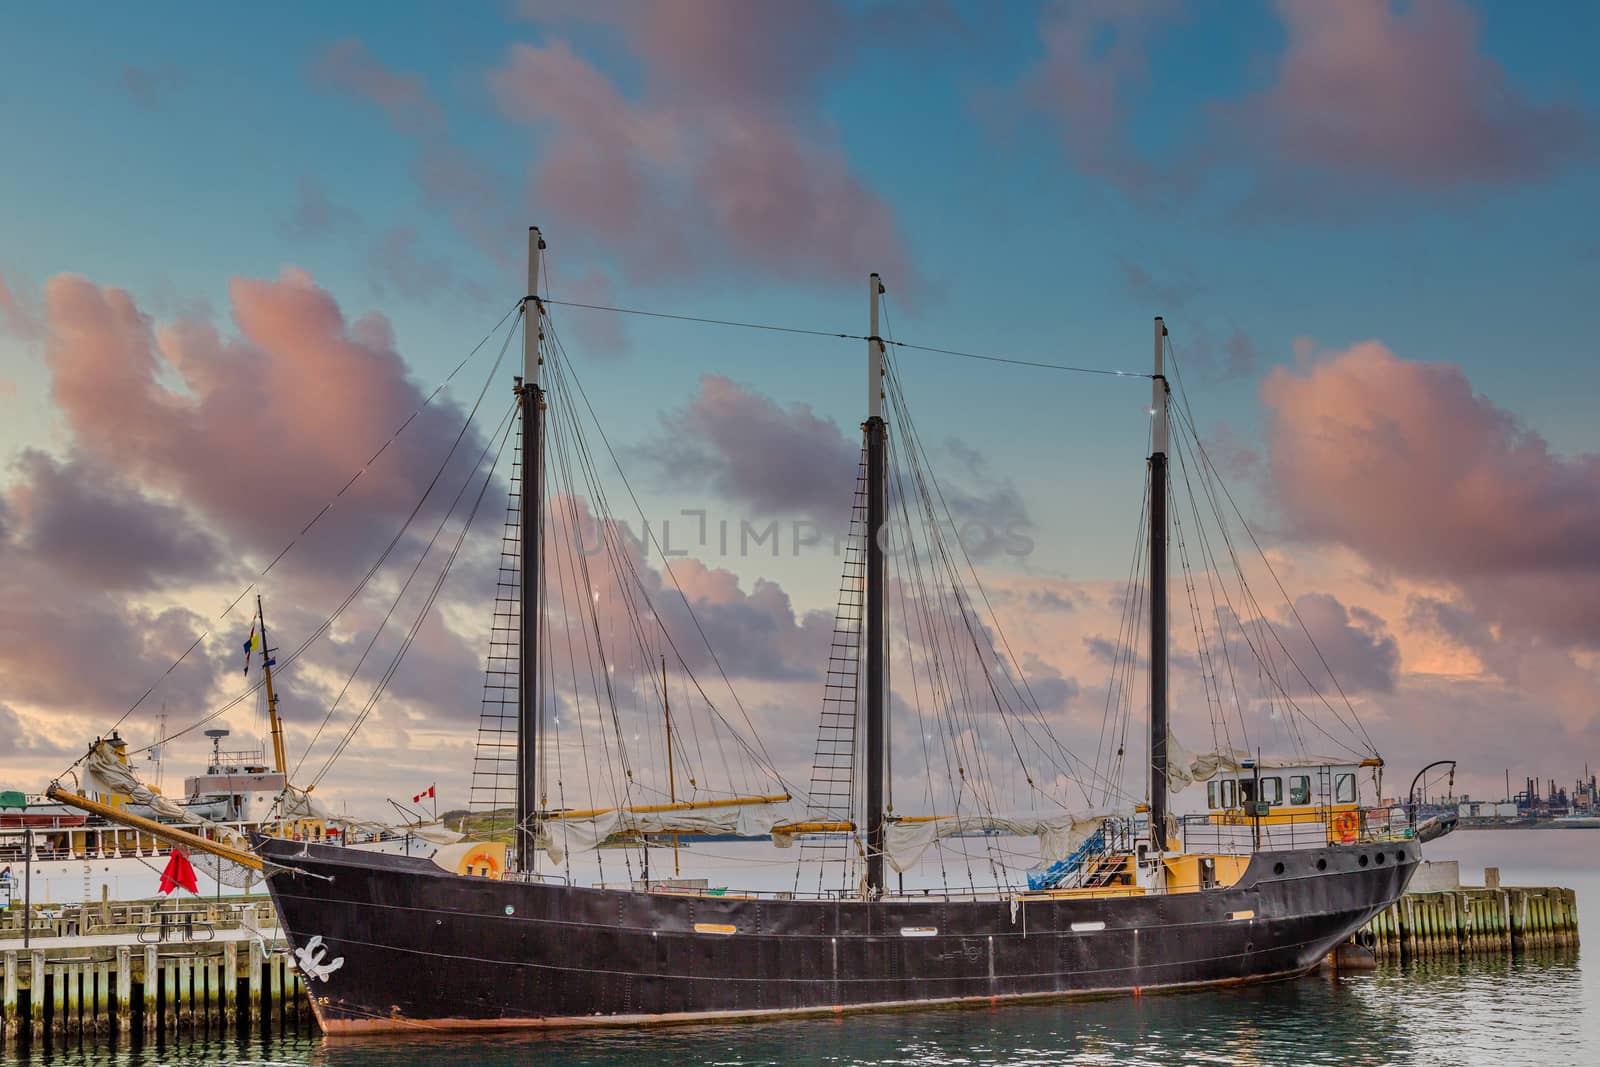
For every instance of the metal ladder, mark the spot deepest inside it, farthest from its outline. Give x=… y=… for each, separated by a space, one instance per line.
x=833 y=767
x=494 y=762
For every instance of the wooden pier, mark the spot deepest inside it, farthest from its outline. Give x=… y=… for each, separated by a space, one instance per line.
x=144 y=968
x=1456 y=920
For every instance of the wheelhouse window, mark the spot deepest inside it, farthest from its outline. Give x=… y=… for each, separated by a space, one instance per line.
x=1299 y=789
x=1211 y=795
x=1344 y=789
x=1228 y=800
x=1272 y=790
x=1247 y=791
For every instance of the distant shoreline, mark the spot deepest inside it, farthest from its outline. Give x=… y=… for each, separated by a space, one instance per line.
x=1540 y=824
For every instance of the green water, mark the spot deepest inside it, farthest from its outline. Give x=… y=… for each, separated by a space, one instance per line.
x=1540 y=1008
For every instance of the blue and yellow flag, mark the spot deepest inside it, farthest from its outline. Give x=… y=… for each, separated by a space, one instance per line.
x=251 y=645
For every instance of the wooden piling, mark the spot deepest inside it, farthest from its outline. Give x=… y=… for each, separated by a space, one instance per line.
x=8 y=1000
x=230 y=982
x=123 y=1021
x=102 y=997
x=151 y=992
x=58 y=997
x=1476 y=922
x=275 y=984
x=254 y=972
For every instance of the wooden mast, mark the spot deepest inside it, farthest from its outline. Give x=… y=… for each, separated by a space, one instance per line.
x=530 y=531
x=1158 y=600
x=279 y=762
x=877 y=732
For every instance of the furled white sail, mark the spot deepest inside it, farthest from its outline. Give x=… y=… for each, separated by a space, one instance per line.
x=560 y=838
x=1059 y=833
x=105 y=774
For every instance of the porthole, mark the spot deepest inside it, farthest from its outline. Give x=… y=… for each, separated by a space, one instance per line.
x=1399 y=857
x=1361 y=860
x=1322 y=865
x=1378 y=857
x=1277 y=868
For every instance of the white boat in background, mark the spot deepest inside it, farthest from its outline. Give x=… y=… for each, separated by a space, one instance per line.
x=80 y=859
x=56 y=855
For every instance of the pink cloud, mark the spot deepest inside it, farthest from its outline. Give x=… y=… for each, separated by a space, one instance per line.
x=709 y=50
x=79 y=520
x=1403 y=461
x=404 y=99
x=752 y=450
x=1403 y=94
x=1405 y=465
x=715 y=161
x=257 y=432
x=1095 y=64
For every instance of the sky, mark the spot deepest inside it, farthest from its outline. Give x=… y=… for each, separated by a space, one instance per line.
x=239 y=247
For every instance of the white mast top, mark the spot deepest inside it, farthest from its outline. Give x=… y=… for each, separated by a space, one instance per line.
x=1158 y=395
x=874 y=353
x=532 y=317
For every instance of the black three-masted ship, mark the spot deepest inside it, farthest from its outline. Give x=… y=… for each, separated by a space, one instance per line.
x=397 y=943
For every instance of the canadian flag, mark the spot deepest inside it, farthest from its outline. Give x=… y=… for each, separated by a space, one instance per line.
x=428 y=792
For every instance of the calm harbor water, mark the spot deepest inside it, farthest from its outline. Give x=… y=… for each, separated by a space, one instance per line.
x=1538 y=1008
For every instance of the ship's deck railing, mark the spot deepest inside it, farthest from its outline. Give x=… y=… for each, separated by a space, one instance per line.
x=1236 y=834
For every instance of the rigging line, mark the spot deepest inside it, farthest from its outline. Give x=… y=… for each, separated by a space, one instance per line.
x=963 y=605
x=1204 y=659
x=394 y=605
x=423 y=612
x=666 y=563
x=1125 y=626
x=284 y=551
x=400 y=533
x=1213 y=580
x=1277 y=638
x=1187 y=417
x=1248 y=599
x=622 y=561
x=590 y=600
x=914 y=439
x=850 y=337
x=973 y=756
x=1019 y=362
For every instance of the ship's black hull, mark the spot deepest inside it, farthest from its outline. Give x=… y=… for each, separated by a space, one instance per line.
x=423 y=948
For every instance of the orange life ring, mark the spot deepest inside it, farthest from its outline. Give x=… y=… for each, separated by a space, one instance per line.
x=491 y=865
x=1344 y=826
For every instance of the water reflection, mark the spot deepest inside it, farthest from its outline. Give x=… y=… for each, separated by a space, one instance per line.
x=1503 y=1011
